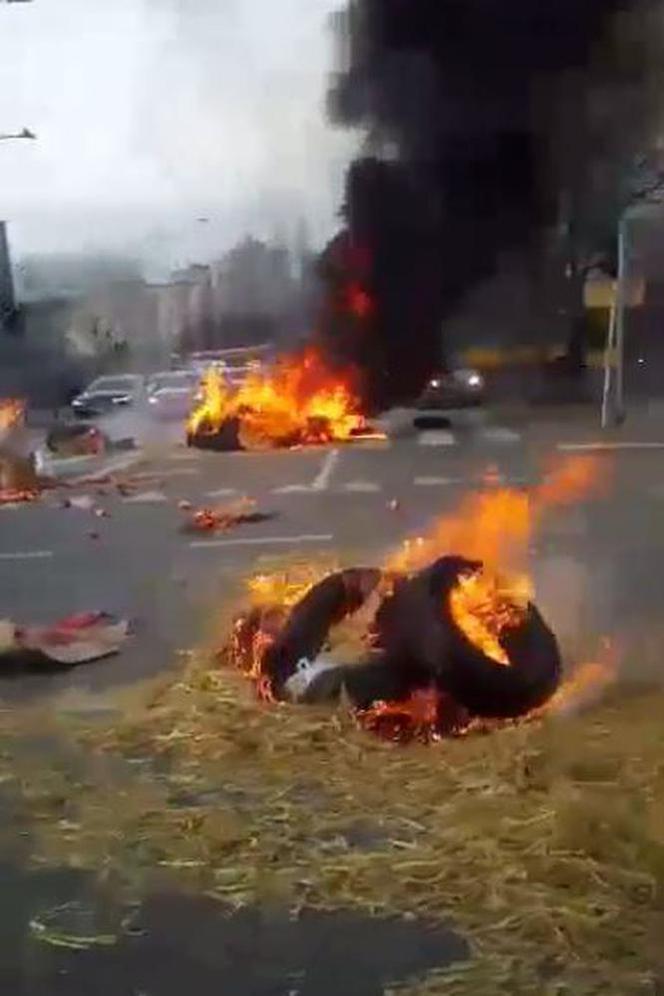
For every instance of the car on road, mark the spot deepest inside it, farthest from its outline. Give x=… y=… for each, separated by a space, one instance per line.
x=106 y=394
x=171 y=394
x=200 y=362
x=453 y=389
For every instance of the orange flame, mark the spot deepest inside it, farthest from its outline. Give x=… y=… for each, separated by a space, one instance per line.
x=11 y=413
x=298 y=402
x=496 y=527
x=483 y=605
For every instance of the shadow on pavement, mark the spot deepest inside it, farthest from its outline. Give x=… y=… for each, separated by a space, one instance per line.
x=177 y=944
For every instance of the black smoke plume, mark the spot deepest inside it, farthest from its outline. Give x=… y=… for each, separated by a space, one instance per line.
x=476 y=130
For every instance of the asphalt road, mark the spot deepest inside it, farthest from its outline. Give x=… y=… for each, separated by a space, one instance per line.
x=598 y=563
x=598 y=568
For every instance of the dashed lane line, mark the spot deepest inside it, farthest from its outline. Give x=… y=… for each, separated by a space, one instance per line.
x=27 y=555
x=433 y=482
x=145 y=498
x=293 y=489
x=222 y=493
x=607 y=446
x=362 y=487
x=263 y=541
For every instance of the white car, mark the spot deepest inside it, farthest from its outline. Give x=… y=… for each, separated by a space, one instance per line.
x=171 y=393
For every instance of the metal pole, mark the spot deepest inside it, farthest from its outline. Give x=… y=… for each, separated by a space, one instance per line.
x=609 y=360
x=619 y=408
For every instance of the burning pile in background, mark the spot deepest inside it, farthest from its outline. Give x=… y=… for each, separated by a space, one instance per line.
x=495 y=527
x=297 y=402
x=12 y=412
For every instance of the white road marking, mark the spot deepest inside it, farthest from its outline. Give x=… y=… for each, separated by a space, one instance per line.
x=222 y=493
x=362 y=487
x=293 y=489
x=499 y=434
x=322 y=480
x=28 y=555
x=187 y=455
x=145 y=498
x=437 y=438
x=111 y=466
x=590 y=447
x=263 y=541
x=432 y=482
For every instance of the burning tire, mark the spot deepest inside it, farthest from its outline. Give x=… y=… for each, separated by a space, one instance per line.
x=418 y=646
x=418 y=622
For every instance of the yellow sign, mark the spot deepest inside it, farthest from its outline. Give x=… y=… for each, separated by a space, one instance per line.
x=600 y=292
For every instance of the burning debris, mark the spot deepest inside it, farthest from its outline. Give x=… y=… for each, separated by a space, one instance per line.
x=210 y=520
x=297 y=402
x=442 y=644
x=12 y=413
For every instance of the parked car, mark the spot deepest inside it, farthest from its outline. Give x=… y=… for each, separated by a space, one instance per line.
x=455 y=389
x=105 y=394
x=171 y=394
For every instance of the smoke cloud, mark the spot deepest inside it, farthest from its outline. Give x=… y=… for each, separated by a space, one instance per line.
x=483 y=118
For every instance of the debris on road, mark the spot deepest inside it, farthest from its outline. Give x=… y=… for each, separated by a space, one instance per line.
x=77 y=639
x=14 y=497
x=84 y=503
x=238 y=513
x=76 y=440
x=18 y=481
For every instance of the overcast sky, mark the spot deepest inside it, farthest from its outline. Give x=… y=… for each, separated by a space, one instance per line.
x=152 y=113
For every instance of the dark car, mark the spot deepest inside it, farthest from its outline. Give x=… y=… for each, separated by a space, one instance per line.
x=105 y=394
x=455 y=389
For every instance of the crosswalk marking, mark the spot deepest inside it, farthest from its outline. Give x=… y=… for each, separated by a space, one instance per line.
x=439 y=437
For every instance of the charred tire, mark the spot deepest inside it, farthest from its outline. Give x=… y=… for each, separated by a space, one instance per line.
x=222 y=440
x=477 y=682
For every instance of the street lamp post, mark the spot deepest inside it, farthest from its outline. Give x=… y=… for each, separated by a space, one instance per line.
x=613 y=403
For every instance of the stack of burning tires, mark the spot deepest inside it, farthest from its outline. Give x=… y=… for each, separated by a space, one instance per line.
x=415 y=644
